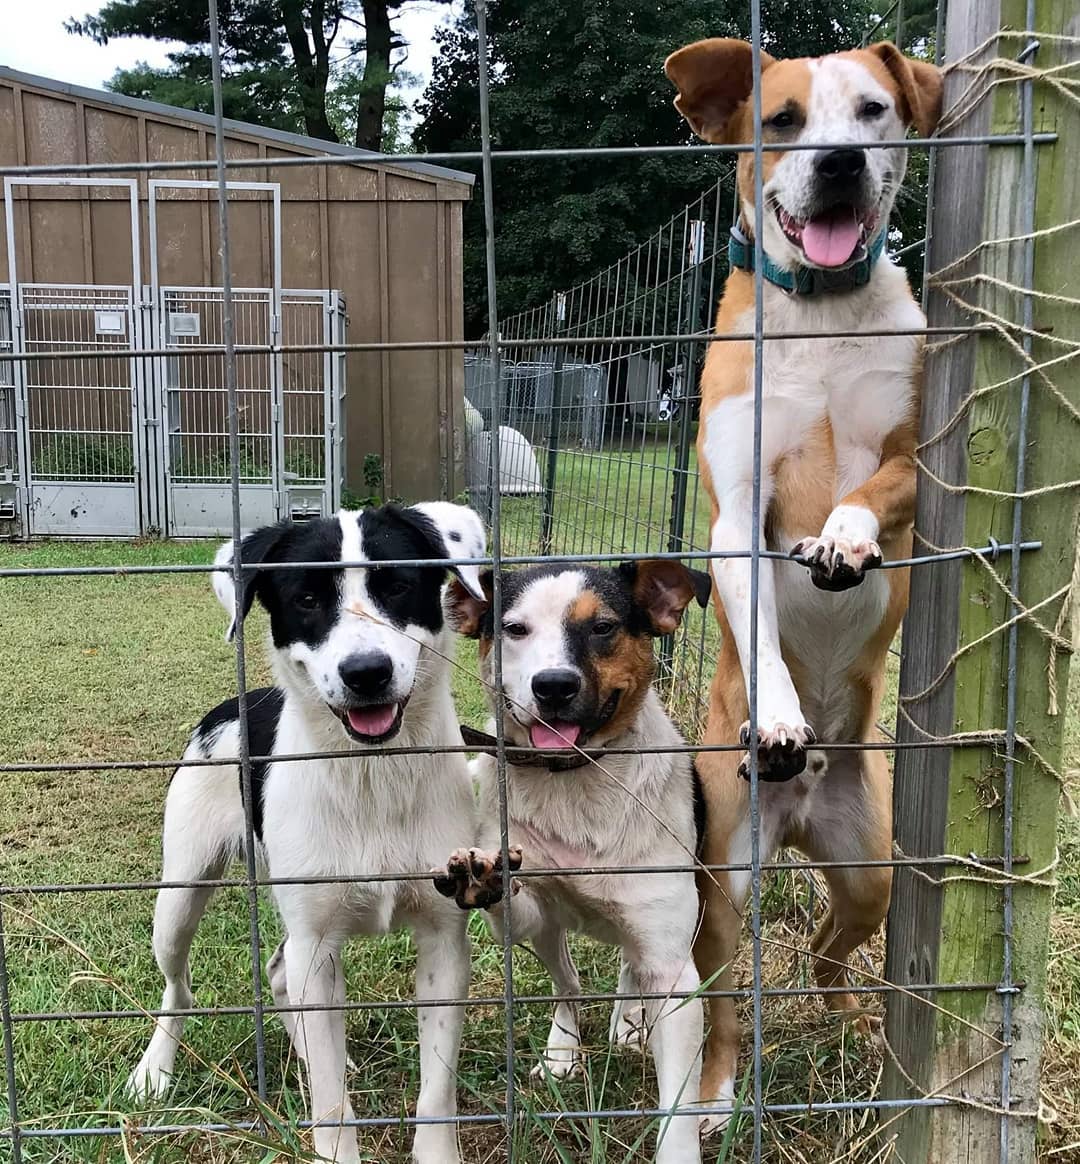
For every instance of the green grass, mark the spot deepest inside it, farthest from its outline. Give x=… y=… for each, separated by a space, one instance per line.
x=611 y=501
x=121 y=668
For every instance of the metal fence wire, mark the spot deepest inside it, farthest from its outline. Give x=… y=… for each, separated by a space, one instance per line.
x=580 y=421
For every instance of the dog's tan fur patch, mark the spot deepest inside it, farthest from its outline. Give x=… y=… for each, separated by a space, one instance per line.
x=628 y=668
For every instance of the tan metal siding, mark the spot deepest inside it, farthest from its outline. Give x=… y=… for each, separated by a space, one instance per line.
x=414 y=314
x=388 y=238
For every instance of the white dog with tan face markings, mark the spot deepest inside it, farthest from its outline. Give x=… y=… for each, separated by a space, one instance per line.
x=577 y=658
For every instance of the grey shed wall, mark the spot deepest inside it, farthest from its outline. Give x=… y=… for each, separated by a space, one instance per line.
x=388 y=237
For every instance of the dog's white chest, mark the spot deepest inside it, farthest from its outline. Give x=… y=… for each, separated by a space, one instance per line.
x=321 y=825
x=863 y=386
x=827 y=632
x=829 y=405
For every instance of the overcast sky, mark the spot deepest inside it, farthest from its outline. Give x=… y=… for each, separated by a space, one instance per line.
x=39 y=44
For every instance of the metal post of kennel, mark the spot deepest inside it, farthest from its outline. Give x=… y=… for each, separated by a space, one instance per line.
x=496 y=566
x=680 y=470
x=547 y=515
x=233 y=404
x=753 y=675
x=11 y=435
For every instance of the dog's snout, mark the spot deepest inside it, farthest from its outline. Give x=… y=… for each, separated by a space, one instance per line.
x=557 y=686
x=367 y=673
x=840 y=166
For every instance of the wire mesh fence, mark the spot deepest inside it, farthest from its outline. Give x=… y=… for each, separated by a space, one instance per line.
x=596 y=450
x=581 y=420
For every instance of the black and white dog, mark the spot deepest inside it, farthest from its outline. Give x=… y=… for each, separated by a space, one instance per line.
x=361 y=657
x=577 y=669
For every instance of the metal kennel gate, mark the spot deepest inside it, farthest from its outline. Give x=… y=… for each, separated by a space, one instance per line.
x=290 y=407
x=9 y=455
x=92 y=446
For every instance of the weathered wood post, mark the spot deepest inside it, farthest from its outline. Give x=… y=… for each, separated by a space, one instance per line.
x=982 y=1046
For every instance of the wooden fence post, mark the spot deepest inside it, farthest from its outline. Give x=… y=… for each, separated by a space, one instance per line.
x=951 y=801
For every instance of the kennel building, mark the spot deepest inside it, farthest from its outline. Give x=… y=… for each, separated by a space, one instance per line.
x=322 y=255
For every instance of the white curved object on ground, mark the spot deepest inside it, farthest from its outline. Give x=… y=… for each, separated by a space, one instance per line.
x=519 y=473
x=474 y=422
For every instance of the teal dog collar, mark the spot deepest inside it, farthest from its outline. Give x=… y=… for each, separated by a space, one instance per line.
x=808 y=280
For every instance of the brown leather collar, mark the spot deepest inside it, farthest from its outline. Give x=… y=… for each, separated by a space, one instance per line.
x=553 y=761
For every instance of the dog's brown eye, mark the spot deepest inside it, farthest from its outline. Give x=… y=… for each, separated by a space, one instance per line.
x=307 y=601
x=873 y=109
x=603 y=629
x=782 y=120
x=516 y=630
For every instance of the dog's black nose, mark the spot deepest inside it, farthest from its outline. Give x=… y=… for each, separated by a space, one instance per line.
x=840 y=165
x=367 y=673
x=556 y=686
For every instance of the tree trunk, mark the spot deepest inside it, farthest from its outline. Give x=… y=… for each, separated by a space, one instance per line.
x=371 y=107
x=312 y=69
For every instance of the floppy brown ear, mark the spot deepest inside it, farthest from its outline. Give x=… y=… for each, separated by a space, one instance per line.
x=714 y=77
x=921 y=86
x=664 y=588
x=464 y=610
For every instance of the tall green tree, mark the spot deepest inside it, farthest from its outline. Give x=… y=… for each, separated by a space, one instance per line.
x=919 y=23
x=590 y=73
x=287 y=64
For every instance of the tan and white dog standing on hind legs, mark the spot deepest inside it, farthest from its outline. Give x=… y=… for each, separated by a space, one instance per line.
x=839 y=432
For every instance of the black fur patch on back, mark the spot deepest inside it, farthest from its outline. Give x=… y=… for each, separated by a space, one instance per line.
x=263 y=712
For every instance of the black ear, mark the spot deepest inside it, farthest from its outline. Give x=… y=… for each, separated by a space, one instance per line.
x=702 y=586
x=452 y=531
x=255 y=548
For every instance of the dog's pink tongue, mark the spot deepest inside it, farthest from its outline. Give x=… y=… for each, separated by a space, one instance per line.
x=830 y=239
x=558 y=735
x=372 y=721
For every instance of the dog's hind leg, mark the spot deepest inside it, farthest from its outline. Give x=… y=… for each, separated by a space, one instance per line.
x=627 y=1027
x=562 y=1053
x=851 y=821
x=723 y=895
x=195 y=847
